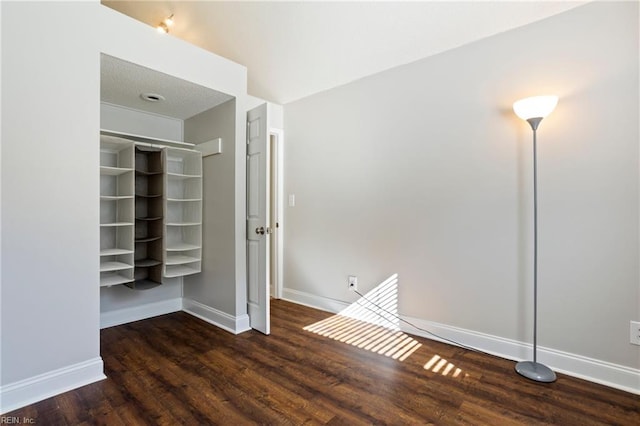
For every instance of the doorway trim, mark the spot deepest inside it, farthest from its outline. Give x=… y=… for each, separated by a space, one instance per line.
x=276 y=145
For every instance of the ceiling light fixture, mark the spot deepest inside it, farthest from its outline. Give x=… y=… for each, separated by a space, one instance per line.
x=163 y=27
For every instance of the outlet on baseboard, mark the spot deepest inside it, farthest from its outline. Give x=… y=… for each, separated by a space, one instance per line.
x=353 y=282
x=634 y=333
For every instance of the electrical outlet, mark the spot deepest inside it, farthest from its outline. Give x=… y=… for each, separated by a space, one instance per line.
x=634 y=333
x=353 y=282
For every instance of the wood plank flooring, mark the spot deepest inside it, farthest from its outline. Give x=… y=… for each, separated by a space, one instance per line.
x=176 y=369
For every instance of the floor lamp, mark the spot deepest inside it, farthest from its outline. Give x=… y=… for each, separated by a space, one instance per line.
x=533 y=110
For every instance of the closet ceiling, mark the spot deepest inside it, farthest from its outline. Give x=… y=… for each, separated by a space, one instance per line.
x=122 y=83
x=295 y=49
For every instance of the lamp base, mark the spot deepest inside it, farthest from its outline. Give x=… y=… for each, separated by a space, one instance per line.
x=535 y=371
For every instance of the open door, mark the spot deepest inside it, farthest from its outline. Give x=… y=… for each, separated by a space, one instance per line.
x=258 y=230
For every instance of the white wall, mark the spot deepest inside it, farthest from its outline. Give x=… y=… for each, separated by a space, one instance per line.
x=128 y=120
x=50 y=239
x=0 y=197
x=50 y=186
x=425 y=171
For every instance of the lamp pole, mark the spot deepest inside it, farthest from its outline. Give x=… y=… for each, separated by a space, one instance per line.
x=534 y=122
x=534 y=110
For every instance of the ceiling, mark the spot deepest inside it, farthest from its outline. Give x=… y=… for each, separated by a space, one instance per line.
x=295 y=49
x=122 y=83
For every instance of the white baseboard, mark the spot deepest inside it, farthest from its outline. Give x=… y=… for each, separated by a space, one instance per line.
x=230 y=323
x=235 y=325
x=137 y=313
x=34 y=389
x=313 y=301
x=602 y=372
x=594 y=370
x=24 y=392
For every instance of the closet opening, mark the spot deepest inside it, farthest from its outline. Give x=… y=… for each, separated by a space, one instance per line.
x=171 y=207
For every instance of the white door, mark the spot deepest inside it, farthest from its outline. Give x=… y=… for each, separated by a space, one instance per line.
x=258 y=229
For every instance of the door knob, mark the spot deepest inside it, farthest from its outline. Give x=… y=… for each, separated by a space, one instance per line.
x=260 y=230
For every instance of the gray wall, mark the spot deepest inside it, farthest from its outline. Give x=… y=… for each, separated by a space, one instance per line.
x=425 y=171
x=215 y=286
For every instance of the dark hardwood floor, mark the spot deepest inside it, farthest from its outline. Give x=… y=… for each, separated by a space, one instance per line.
x=177 y=369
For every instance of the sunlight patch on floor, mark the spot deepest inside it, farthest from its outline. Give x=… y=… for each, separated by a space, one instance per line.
x=375 y=338
x=439 y=365
x=371 y=323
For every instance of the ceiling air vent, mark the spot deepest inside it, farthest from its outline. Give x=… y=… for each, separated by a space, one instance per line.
x=152 y=97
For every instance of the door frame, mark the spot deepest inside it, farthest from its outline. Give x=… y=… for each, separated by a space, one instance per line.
x=276 y=136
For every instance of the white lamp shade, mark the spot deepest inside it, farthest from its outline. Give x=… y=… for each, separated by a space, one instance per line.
x=535 y=107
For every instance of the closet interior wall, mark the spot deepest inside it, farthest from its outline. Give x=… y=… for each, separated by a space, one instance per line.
x=214 y=287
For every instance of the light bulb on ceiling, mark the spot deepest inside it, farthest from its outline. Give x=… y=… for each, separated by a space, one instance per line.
x=163 y=27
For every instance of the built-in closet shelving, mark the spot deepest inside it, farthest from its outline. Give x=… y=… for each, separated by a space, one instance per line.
x=183 y=198
x=150 y=211
x=116 y=211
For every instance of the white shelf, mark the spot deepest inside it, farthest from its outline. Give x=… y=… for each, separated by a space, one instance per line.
x=115 y=197
x=117 y=224
x=181 y=200
x=182 y=247
x=109 y=279
x=183 y=218
x=116 y=238
x=181 y=270
x=116 y=185
x=114 y=171
x=183 y=176
x=114 y=266
x=184 y=188
x=178 y=259
x=152 y=189
x=114 y=251
x=116 y=211
x=183 y=162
